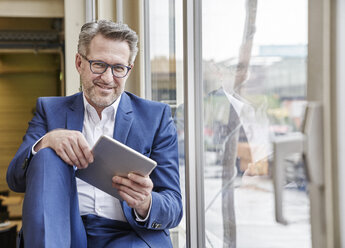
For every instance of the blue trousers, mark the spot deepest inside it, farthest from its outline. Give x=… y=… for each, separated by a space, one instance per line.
x=51 y=215
x=102 y=232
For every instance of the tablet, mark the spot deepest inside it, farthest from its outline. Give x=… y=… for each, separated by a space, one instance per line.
x=111 y=158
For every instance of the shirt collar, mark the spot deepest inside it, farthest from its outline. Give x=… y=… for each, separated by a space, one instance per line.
x=111 y=109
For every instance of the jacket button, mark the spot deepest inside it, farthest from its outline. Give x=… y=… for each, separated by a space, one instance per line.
x=25 y=163
x=156 y=225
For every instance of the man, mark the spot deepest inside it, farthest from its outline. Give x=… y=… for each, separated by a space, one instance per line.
x=59 y=140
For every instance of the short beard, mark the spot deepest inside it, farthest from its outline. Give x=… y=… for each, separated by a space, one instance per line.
x=98 y=101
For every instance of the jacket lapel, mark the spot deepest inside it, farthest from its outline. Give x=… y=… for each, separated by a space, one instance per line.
x=75 y=114
x=124 y=119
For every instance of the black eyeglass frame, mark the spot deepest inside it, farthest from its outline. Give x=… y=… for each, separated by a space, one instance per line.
x=106 y=66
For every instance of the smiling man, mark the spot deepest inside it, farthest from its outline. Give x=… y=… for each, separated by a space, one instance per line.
x=62 y=211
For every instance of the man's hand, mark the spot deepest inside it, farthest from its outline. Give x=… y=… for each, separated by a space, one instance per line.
x=71 y=146
x=136 y=191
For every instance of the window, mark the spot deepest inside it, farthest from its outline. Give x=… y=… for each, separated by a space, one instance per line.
x=254 y=75
x=253 y=68
x=166 y=73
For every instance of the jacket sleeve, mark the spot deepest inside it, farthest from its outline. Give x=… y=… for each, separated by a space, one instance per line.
x=166 y=211
x=17 y=169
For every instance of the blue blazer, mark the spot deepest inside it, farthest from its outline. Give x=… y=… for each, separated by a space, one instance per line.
x=143 y=125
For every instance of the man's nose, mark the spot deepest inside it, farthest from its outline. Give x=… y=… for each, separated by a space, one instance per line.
x=107 y=76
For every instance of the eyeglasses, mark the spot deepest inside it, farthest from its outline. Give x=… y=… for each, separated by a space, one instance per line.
x=99 y=67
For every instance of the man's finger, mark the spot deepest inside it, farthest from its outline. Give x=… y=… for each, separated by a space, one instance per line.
x=64 y=157
x=144 y=181
x=84 y=147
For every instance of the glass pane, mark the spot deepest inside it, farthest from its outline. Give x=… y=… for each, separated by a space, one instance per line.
x=254 y=72
x=167 y=77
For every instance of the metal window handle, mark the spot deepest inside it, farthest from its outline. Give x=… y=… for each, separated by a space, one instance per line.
x=283 y=146
x=313 y=150
x=309 y=142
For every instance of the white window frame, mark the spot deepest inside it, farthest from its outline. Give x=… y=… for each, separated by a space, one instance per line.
x=325 y=84
x=193 y=119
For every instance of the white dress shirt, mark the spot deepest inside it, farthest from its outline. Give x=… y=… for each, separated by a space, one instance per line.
x=91 y=199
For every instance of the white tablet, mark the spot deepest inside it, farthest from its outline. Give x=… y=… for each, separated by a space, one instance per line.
x=111 y=158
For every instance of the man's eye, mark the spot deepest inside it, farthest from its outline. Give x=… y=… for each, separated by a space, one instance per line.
x=98 y=65
x=119 y=68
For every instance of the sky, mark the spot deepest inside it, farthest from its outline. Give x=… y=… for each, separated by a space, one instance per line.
x=278 y=22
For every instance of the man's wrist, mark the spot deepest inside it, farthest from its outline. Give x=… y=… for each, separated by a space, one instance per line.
x=140 y=214
x=37 y=146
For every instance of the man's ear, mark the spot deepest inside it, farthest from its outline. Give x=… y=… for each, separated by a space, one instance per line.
x=78 y=59
x=132 y=66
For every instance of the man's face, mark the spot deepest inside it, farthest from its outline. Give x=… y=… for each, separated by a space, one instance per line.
x=101 y=90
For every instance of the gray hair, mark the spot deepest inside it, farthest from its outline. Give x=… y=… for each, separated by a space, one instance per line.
x=109 y=30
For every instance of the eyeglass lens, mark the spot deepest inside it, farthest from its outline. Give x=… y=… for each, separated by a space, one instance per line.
x=100 y=67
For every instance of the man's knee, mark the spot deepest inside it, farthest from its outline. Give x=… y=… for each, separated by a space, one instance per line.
x=47 y=152
x=47 y=160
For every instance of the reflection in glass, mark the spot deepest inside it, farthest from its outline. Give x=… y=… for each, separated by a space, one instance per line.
x=254 y=89
x=254 y=78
